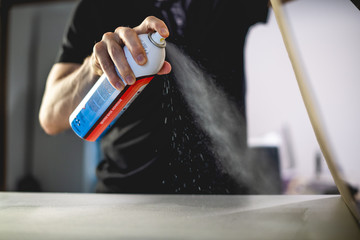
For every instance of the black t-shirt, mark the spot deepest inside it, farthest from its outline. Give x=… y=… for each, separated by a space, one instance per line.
x=157 y=146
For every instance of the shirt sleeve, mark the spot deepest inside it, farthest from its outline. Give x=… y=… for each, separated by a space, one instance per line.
x=257 y=11
x=78 y=39
x=240 y=14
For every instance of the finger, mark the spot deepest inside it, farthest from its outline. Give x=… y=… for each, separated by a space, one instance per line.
x=151 y=24
x=117 y=55
x=165 y=69
x=107 y=65
x=131 y=40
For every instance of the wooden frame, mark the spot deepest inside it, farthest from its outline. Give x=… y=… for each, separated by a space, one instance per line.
x=312 y=106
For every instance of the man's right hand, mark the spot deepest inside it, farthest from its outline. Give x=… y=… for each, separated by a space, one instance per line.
x=109 y=53
x=68 y=83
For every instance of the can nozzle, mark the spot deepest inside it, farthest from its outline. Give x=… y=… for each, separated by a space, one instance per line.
x=157 y=39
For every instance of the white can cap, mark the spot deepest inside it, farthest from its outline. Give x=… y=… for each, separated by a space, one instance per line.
x=157 y=39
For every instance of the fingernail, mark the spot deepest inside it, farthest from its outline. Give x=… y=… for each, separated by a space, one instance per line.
x=129 y=79
x=164 y=31
x=141 y=59
x=119 y=86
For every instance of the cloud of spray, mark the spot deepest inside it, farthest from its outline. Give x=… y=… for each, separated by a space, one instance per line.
x=221 y=119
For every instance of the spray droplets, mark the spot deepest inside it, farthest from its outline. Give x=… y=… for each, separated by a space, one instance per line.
x=205 y=145
x=225 y=131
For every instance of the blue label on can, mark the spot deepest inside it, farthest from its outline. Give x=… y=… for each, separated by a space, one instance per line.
x=94 y=108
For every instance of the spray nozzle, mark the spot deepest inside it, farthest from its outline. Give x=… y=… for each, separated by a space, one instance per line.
x=157 y=39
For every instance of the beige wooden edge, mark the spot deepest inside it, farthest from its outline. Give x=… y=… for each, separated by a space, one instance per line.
x=311 y=105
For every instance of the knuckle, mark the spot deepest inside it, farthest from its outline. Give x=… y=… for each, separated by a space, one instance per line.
x=119 y=29
x=150 y=19
x=126 y=31
x=98 y=47
x=107 y=35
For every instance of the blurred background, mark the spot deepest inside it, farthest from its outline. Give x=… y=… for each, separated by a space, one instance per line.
x=60 y=163
x=328 y=36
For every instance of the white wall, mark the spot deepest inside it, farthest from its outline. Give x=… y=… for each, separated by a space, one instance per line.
x=328 y=36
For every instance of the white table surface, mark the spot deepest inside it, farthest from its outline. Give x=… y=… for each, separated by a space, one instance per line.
x=101 y=216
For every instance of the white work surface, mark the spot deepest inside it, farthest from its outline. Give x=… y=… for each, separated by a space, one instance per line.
x=100 y=216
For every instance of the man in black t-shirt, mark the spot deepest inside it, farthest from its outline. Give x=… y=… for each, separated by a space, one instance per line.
x=157 y=145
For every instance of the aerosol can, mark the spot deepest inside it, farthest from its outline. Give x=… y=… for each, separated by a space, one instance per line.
x=104 y=104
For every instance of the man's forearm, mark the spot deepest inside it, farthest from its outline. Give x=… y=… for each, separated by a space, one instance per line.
x=67 y=84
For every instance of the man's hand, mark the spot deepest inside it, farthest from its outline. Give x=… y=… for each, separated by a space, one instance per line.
x=109 y=53
x=68 y=83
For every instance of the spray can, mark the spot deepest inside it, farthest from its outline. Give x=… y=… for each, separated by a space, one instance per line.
x=104 y=104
